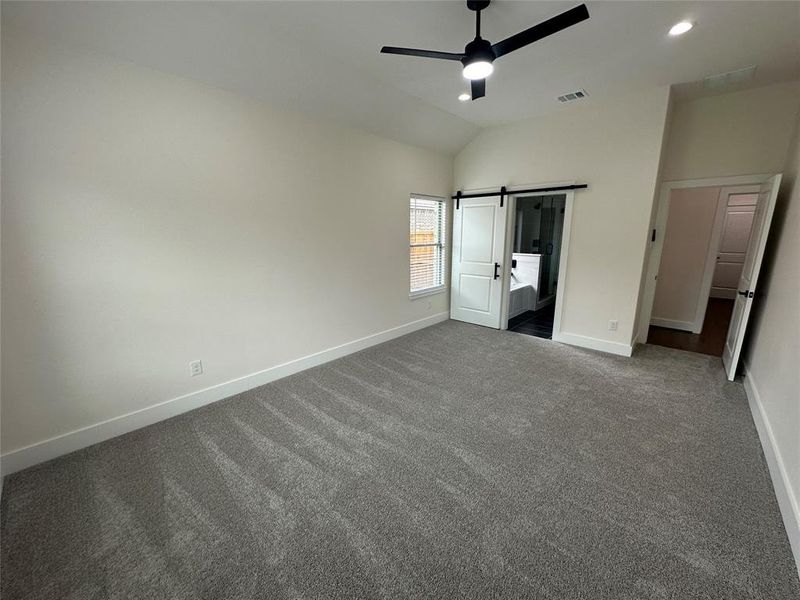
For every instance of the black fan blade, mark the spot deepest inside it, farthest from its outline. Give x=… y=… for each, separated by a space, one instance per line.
x=422 y=53
x=478 y=88
x=558 y=23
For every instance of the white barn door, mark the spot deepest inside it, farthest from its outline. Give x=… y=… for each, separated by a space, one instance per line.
x=749 y=277
x=479 y=226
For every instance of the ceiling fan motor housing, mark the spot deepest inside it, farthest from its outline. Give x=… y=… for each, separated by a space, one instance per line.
x=478 y=49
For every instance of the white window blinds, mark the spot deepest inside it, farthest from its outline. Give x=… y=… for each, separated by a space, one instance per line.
x=427 y=243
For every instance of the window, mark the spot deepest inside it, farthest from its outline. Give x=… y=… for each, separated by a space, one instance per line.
x=426 y=240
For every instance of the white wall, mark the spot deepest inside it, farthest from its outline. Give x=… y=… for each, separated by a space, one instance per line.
x=690 y=224
x=772 y=345
x=614 y=147
x=738 y=133
x=150 y=220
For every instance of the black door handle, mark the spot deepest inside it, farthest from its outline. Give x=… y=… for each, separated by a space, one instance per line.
x=496 y=269
x=743 y=293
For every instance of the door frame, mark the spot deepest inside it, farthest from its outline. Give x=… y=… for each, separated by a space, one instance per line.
x=563 y=258
x=660 y=226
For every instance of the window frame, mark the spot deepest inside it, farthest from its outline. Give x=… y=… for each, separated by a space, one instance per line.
x=437 y=289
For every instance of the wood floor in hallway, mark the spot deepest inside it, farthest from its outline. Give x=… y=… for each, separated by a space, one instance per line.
x=711 y=340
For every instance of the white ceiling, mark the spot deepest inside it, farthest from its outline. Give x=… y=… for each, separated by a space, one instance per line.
x=323 y=57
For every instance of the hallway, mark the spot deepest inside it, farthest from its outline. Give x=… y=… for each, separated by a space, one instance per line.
x=711 y=340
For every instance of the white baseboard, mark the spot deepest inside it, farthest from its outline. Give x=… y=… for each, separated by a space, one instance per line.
x=787 y=501
x=592 y=343
x=672 y=324
x=28 y=456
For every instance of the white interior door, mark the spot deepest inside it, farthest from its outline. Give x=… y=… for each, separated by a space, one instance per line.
x=749 y=277
x=479 y=226
x=736 y=230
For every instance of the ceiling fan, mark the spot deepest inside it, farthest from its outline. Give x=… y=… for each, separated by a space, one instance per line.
x=479 y=54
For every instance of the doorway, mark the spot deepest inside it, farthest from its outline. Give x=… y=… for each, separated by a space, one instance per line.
x=705 y=241
x=487 y=267
x=704 y=265
x=535 y=262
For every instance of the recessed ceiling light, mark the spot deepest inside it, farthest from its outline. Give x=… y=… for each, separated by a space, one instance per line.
x=464 y=97
x=680 y=28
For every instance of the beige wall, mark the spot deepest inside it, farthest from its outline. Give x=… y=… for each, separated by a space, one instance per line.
x=150 y=220
x=739 y=133
x=690 y=224
x=615 y=149
x=772 y=345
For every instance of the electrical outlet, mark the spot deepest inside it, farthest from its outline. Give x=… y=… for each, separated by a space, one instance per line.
x=612 y=325
x=196 y=368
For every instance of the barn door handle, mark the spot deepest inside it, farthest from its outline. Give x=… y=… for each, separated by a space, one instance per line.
x=496 y=270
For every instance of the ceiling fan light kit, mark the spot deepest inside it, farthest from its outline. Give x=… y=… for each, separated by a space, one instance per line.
x=478 y=59
x=479 y=55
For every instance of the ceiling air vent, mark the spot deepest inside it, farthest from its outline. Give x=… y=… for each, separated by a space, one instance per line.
x=730 y=78
x=576 y=95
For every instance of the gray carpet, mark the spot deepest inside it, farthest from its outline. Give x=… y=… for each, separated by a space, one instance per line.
x=456 y=462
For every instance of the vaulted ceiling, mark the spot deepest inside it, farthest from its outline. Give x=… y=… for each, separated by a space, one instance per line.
x=323 y=58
